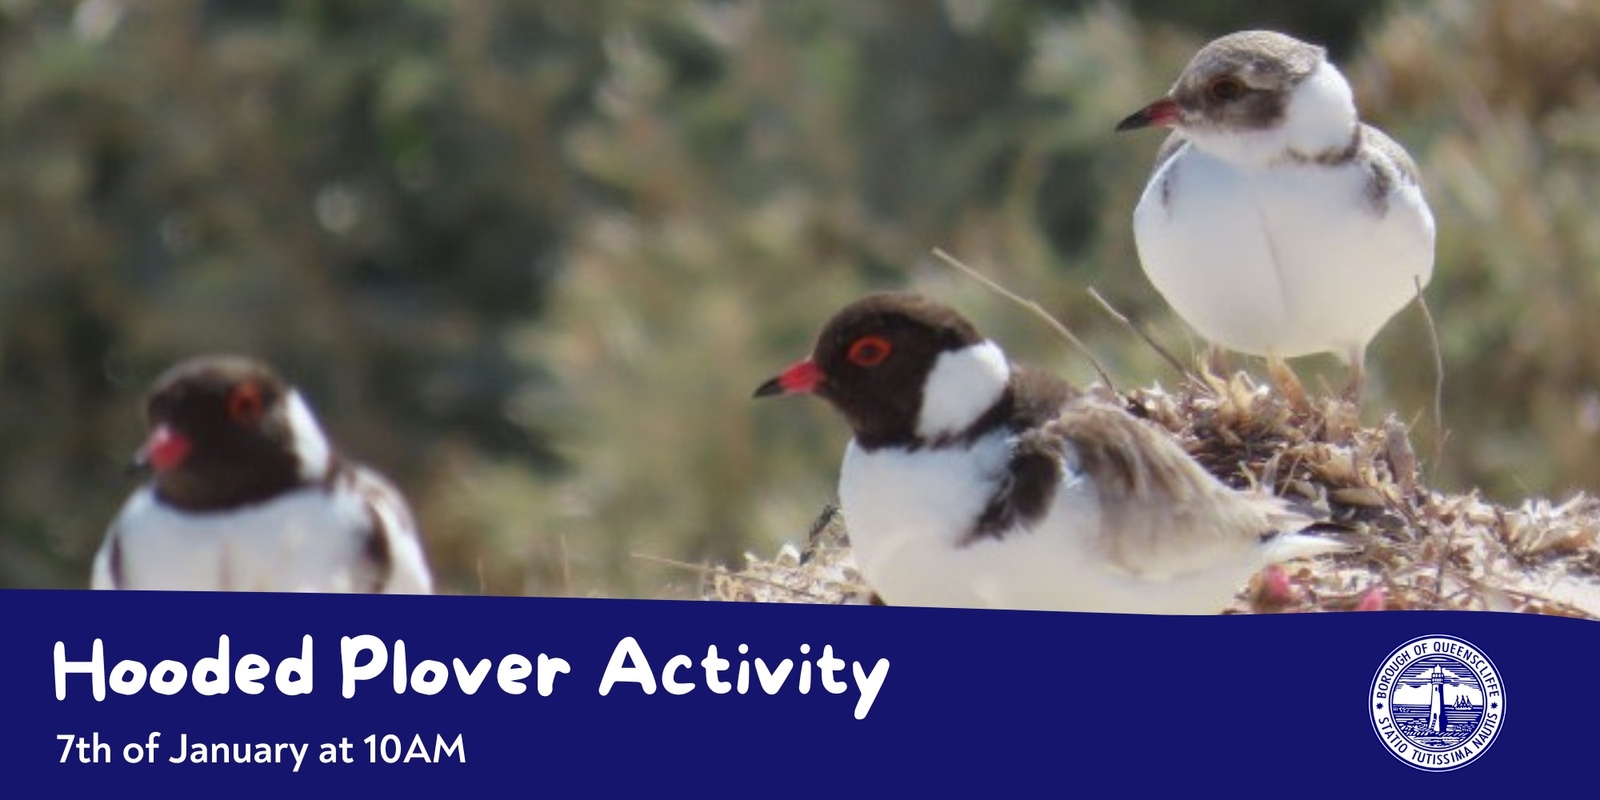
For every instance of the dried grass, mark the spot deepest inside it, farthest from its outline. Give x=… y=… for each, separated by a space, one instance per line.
x=1421 y=549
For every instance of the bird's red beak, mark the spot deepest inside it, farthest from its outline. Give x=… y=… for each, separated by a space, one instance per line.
x=1163 y=112
x=164 y=449
x=802 y=378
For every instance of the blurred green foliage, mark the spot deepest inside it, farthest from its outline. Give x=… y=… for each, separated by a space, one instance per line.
x=531 y=258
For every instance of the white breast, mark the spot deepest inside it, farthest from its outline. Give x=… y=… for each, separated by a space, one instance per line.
x=1286 y=260
x=908 y=513
x=310 y=540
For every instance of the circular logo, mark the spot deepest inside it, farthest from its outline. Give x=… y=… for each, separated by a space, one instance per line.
x=1437 y=703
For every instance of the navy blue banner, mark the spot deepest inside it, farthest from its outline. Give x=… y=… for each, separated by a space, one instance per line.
x=256 y=695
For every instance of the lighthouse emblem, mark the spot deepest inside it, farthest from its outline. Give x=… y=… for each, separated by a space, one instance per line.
x=1437 y=703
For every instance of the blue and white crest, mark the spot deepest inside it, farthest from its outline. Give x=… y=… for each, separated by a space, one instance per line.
x=1437 y=703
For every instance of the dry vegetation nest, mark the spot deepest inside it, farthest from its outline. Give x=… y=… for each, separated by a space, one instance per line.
x=1422 y=549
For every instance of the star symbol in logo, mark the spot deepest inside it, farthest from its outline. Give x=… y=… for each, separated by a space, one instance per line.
x=1380 y=706
x=1494 y=705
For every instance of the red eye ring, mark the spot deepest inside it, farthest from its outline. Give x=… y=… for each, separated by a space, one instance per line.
x=244 y=403
x=869 y=351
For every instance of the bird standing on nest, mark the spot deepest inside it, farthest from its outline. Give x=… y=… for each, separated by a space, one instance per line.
x=1275 y=222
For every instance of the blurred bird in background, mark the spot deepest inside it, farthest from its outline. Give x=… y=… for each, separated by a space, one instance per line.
x=247 y=493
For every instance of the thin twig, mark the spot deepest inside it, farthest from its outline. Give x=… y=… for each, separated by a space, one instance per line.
x=1137 y=331
x=702 y=570
x=1035 y=308
x=1438 y=379
x=1444 y=558
x=699 y=568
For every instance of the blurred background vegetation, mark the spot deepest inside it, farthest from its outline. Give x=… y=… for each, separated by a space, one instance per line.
x=531 y=258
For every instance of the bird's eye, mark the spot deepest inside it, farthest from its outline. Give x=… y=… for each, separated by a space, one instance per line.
x=244 y=403
x=869 y=351
x=1226 y=89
